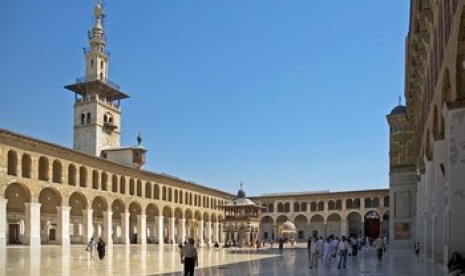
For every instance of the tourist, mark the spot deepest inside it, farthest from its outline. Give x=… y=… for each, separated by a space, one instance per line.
x=90 y=248
x=313 y=251
x=327 y=252
x=379 y=245
x=456 y=264
x=354 y=244
x=343 y=250
x=101 y=249
x=189 y=258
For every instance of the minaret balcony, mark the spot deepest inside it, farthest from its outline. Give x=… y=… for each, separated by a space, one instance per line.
x=100 y=78
x=110 y=125
x=88 y=50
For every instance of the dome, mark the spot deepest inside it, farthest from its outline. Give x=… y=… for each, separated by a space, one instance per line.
x=400 y=109
x=241 y=193
x=288 y=227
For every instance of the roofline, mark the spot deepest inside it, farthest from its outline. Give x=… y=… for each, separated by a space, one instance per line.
x=315 y=194
x=157 y=176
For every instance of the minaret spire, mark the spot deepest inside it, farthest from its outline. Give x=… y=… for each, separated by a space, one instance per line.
x=400 y=100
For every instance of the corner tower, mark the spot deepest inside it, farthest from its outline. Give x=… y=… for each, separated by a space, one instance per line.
x=97 y=112
x=402 y=179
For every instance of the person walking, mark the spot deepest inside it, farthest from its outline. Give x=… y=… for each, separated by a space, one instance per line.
x=327 y=252
x=90 y=248
x=313 y=250
x=189 y=257
x=379 y=245
x=343 y=250
x=101 y=249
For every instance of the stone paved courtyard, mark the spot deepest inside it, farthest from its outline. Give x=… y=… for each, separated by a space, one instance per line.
x=164 y=260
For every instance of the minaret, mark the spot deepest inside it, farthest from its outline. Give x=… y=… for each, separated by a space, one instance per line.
x=97 y=112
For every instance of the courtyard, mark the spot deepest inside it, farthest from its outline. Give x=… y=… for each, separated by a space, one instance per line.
x=164 y=260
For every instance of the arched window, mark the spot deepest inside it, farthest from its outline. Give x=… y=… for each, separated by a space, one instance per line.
x=57 y=171
x=368 y=202
x=163 y=193
x=304 y=206
x=349 y=204
x=338 y=204
x=296 y=207
x=43 y=168
x=376 y=202
x=131 y=187
x=331 y=205
x=280 y=207
x=114 y=184
x=91 y=63
x=356 y=203
x=88 y=118
x=104 y=181
x=26 y=165
x=72 y=175
x=156 y=192
x=122 y=185
x=180 y=197
x=12 y=163
x=95 y=179
x=271 y=207
x=287 y=207
x=82 y=177
x=386 y=201
x=148 y=189
x=170 y=195
x=139 y=188
x=83 y=118
x=313 y=206
x=175 y=196
x=321 y=206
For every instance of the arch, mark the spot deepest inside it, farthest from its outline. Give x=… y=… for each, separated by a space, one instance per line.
x=139 y=187
x=356 y=203
x=26 y=166
x=180 y=196
x=99 y=205
x=206 y=217
x=178 y=213
x=167 y=212
x=122 y=185
x=334 y=225
x=270 y=207
x=104 y=181
x=170 y=195
x=281 y=219
x=301 y=219
x=57 y=171
x=163 y=193
x=175 y=191
x=43 y=168
x=50 y=199
x=151 y=211
x=135 y=210
x=331 y=205
x=317 y=226
x=338 y=204
x=197 y=215
x=349 y=203
x=72 y=173
x=77 y=202
x=95 y=179
x=376 y=202
x=296 y=207
x=131 y=187
x=280 y=207
x=156 y=191
x=267 y=219
x=148 y=189
x=17 y=194
x=114 y=183
x=267 y=228
x=287 y=207
x=117 y=207
x=213 y=218
x=83 y=177
x=189 y=214
x=12 y=163
x=368 y=203
x=313 y=206
x=321 y=206
x=354 y=221
x=303 y=207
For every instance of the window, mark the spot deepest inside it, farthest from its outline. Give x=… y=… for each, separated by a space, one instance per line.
x=83 y=118
x=88 y=118
x=91 y=63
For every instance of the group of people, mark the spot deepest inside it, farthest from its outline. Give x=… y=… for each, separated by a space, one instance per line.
x=100 y=247
x=328 y=249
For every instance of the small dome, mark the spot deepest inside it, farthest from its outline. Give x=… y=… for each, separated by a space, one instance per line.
x=288 y=227
x=241 y=193
x=400 y=109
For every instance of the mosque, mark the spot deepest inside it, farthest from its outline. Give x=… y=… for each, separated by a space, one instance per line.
x=50 y=194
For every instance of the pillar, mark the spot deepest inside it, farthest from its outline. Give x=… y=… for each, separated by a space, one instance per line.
x=161 y=236
x=107 y=227
x=200 y=232
x=208 y=233
x=63 y=225
x=171 y=231
x=32 y=234
x=183 y=230
x=344 y=227
x=88 y=226
x=215 y=232
x=142 y=229
x=125 y=228
x=221 y=233
x=3 y=222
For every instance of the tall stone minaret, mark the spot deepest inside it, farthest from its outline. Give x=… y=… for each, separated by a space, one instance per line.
x=402 y=179
x=97 y=112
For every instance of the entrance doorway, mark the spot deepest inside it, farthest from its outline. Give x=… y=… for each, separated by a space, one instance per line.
x=372 y=224
x=13 y=230
x=51 y=235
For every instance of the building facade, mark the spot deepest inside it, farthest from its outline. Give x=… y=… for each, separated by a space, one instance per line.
x=433 y=147
x=358 y=213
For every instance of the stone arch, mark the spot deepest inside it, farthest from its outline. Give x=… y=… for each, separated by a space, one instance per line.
x=135 y=210
x=167 y=212
x=267 y=228
x=139 y=187
x=281 y=219
x=156 y=191
x=213 y=218
x=317 y=228
x=197 y=215
x=131 y=187
x=26 y=166
x=99 y=205
x=43 y=168
x=151 y=211
x=118 y=208
x=18 y=195
x=114 y=183
x=82 y=177
x=148 y=189
x=301 y=225
x=354 y=223
x=104 y=181
x=122 y=185
x=178 y=213
x=72 y=173
x=189 y=214
x=280 y=207
x=296 y=207
x=78 y=203
x=95 y=179
x=50 y=199
x=333 y=223
x=206 y=217
x=12 y=163
x=57 y=171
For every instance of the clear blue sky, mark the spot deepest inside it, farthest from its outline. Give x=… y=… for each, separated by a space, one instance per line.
x=286 y=96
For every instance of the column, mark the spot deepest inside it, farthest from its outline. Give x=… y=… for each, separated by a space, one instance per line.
x=108 y=227
x=344 y=227
x=63 y=225
x=3 y=222
x=161 y=235
x=32 y=233
x=171 y=231
x=200 y=232
x=208 y=233
x=221 y=233
x=142 y=229
x=215 y=232
x=183 y=230
x=125 y=228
